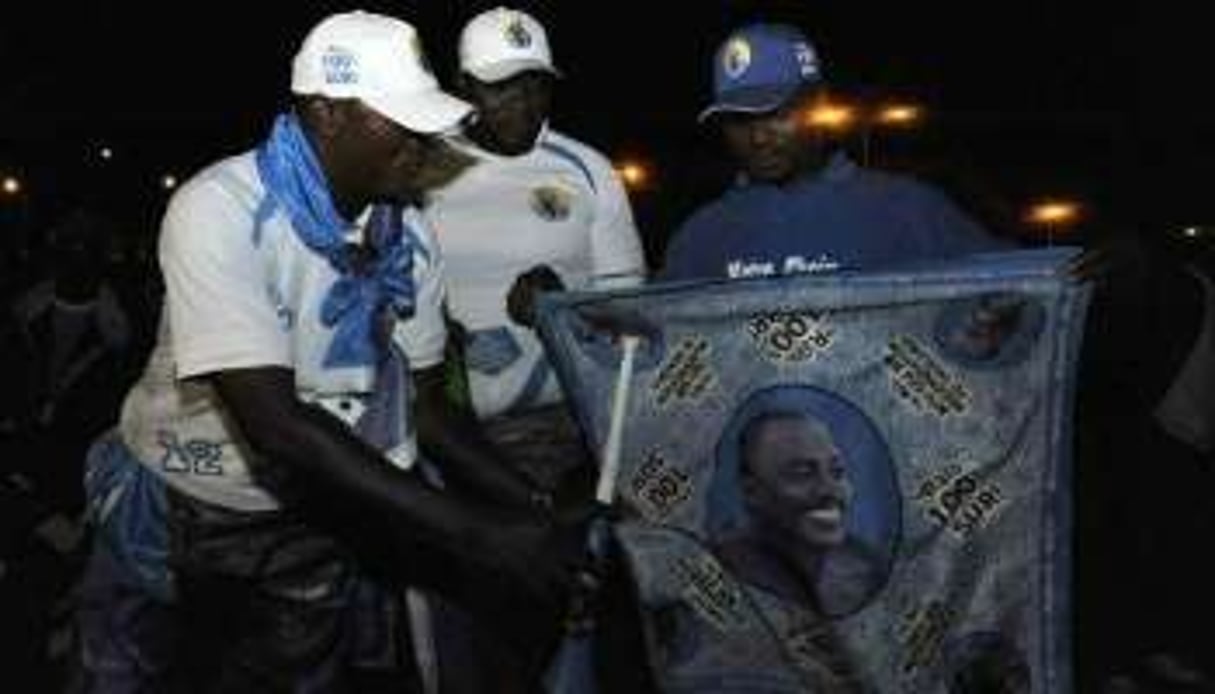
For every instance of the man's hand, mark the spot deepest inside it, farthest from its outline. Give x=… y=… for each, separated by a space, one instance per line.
x=537 y=554
x=616 y=323
x=529 y=575
x=521 y=300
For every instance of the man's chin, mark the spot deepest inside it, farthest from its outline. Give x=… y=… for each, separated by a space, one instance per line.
x=772 y=173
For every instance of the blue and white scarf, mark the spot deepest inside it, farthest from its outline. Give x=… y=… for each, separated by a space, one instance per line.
x=373 y=280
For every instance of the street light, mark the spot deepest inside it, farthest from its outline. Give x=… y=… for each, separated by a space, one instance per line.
x=838 y=117
x=634 y=174
x=168 y=182
x=1055 y=215
x=899 y=115
x=11 y=185
x=830 y=115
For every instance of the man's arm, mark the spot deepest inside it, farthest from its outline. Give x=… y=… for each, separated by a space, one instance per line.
x=450 y=435
x=617 y=255
x=361 y=491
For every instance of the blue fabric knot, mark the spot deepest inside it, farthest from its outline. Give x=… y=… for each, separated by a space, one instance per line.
x=370 y=292
x=376 y=278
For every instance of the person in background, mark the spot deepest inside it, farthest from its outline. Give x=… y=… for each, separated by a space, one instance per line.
x=540 y=211
x=66 y=357
x=800 y=204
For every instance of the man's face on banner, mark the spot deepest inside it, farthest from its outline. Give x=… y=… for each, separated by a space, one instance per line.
x=794 y=480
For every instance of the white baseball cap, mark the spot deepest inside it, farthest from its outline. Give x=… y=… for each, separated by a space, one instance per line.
x=500 y=43
x=379 y=61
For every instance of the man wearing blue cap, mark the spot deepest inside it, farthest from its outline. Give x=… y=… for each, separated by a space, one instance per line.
x=800 y=204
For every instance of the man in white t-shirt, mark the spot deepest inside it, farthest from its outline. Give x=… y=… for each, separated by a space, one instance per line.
x=539 y=211
x=302 y=306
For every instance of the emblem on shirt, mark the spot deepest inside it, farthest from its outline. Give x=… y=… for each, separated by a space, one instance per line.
x=517 y=35
x=736 y=57
x=551 y=203
x=340 y=66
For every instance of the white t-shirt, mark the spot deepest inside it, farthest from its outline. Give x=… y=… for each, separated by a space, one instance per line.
x=561 y=205
x=238 y=299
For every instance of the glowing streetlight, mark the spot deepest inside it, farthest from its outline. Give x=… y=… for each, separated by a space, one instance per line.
x=634 y=174
x=1054 y=216
x=901 y=115
x=1054 y=212
x=11 y=185
x=168 y=182
x=831 y=116
x=106 y=153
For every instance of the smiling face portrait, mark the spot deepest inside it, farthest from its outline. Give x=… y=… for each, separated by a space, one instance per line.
x=793 y=480
x=803 y=504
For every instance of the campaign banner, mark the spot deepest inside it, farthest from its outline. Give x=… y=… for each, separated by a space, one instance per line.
x=844 y=482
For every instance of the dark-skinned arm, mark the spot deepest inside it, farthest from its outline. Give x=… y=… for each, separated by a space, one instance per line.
x=347 y=485
x=450 y=434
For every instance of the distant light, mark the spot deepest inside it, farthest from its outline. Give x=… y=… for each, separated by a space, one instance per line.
x=11 y=185
x=168 y=182
x=1191 y=232
x=899 y=114
x=634 y=174
x=106 y=153
x=1054 y=213
x=830 y=116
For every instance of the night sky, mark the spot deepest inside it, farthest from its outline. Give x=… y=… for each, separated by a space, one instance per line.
x=1100 y=101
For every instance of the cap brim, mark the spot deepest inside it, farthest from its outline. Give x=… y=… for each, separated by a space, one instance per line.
x=505 y=69
x=754 y=100
x=430 y=112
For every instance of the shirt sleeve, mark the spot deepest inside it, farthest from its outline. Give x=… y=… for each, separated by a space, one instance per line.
x=617 y=257
x=219 y=311
x=423 y=336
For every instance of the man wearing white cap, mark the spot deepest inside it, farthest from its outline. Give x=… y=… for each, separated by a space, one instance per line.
x=273 y=424
x=539 y=211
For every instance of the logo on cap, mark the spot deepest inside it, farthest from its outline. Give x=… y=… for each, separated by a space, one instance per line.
x=736 y=58
x=340 y=66
x=517 y=35
x=807 y=61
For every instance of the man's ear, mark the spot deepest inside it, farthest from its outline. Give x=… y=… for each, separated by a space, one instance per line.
x=324 y=116
x=462 y=84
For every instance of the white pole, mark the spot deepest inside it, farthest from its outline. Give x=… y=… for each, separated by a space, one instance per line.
x=605 y=491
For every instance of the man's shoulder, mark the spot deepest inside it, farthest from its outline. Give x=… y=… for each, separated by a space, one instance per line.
x=559 y=140
x=717 y=215
x=576 y=152
x=699 y=241
x=900 y=186
x=233 y=179
x=222 y=199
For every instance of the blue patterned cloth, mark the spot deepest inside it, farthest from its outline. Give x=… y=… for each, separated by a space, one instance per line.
x=128 y=507
x=375 y=278
x=942 y=392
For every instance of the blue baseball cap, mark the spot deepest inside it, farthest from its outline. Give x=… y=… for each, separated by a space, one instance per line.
x=759 y=67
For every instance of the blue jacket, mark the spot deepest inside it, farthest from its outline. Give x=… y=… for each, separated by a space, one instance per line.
x=841 y=218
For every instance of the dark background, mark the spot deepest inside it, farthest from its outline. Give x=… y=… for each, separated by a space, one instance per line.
x=1104 y=103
